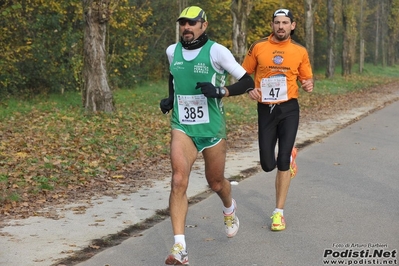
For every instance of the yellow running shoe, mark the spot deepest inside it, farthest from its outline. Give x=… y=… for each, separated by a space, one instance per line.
x=278 y=222
x=293 y=167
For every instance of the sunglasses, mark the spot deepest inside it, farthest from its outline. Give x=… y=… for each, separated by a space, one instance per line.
x=284 y=11
x=183 y=22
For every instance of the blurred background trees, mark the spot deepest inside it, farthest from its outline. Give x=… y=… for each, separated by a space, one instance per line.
x=42 y=41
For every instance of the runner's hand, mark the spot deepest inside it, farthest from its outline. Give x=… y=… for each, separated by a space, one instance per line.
x=255 y=94
x=166 y=105
x=209 y=90
x=307 y=85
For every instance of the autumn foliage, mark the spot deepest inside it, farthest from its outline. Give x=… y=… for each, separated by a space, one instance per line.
x=41 y=42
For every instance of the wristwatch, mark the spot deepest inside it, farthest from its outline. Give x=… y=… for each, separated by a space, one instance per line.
x=222 y=92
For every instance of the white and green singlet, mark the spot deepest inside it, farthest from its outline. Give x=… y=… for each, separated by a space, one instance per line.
x=193 y=113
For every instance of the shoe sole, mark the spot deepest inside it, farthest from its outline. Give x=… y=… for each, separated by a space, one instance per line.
x=276 y=229
x=173 y=261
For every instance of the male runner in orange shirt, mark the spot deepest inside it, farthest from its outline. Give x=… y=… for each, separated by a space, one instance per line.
x=278 y=63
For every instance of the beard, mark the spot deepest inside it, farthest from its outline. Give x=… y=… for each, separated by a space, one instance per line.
x=188 y=36
x=282 y=36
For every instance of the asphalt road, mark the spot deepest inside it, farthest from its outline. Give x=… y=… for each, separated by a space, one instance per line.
x=343 y=206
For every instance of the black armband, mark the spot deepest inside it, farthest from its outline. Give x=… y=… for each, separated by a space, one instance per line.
x=171 y=88
x=243 y=85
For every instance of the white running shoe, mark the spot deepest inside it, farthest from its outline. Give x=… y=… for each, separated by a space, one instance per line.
x=231 y=222
x=178 y=255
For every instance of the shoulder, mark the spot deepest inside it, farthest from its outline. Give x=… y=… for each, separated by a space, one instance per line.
x=171 y=48
x=219 y=53
x=217 y=47
x=170 y=52
x=298 y=45
x=257 y=43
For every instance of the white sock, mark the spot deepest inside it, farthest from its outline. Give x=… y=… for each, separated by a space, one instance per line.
x=228 y=210
x=180 y=239
x=279 y=210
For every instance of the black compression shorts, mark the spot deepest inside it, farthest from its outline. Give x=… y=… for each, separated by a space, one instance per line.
x=277 y=123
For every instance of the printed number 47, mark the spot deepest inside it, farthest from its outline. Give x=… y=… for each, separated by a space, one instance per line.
x=274 y=92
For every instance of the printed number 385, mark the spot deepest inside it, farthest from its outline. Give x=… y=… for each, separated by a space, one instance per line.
x=193 y=112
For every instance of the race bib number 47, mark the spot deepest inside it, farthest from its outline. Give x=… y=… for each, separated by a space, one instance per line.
x=274 y=89
x=193 y=109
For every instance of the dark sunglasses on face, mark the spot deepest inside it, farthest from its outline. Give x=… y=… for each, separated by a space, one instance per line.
x=183 y=22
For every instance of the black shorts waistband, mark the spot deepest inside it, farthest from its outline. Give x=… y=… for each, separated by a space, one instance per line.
x=290 y=101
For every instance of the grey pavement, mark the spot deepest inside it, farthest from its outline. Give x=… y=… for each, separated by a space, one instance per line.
x=343 y=205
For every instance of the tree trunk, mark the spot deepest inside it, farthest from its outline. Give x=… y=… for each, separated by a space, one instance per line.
x=309 y=29
x=97 y=95
x=361 y=56
x=331 y=39
x=182 y=4
x=240 y=10
x=393 y=32
x=349 y=38
x=361 y=53
x=377 y=35
x=384 y=33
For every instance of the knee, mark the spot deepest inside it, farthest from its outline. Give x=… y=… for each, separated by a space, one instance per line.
x=267 y=161
x=267 y=167
x=217 y=186
x=179 y=183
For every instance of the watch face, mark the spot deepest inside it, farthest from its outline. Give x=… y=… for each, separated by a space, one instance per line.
x=223 y=91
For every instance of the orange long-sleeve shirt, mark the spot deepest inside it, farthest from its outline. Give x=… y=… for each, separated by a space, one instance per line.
x=267 y=58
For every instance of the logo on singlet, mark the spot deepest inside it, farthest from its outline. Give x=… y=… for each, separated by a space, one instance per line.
x=278 y=59
x=201 y=68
